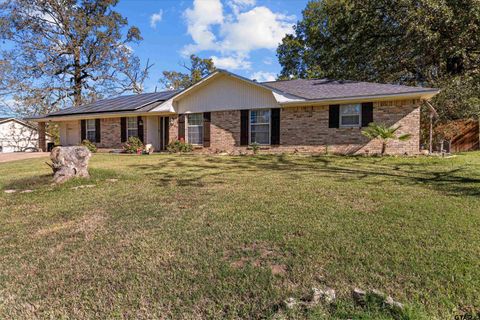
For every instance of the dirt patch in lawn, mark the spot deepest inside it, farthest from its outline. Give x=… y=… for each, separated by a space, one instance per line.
x=88 y=225
x=258 y=255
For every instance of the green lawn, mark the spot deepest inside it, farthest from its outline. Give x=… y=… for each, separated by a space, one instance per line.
x=190 y=236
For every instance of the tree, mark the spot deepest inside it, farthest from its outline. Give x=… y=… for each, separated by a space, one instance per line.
x=384 y=134
x=197 y=69
x=66 y=52
x=421 y=42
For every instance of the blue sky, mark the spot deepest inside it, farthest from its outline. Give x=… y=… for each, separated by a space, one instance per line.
x=240 y=35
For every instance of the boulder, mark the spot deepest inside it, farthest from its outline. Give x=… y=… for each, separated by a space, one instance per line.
x=69 y=162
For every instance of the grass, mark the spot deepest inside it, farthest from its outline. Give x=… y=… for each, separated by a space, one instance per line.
x=190 y=236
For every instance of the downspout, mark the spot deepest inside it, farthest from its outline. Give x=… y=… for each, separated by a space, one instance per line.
x=433 y=113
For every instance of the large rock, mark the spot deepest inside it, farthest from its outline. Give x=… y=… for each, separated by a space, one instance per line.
x=69 y=162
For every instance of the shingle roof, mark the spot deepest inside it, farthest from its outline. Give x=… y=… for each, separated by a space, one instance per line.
x=322 y=89
x=122 y=103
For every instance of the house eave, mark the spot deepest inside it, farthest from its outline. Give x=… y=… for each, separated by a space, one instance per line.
x=423 y=95
x=84 y=116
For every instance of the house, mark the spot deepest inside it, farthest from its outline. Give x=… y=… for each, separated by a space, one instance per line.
x=225 y=112
x=18 y=136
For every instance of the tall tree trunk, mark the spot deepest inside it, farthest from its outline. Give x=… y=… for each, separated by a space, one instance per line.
x=77 y=78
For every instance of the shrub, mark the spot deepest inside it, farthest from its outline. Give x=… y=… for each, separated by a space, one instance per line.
x=255 y=147
x=384 y=133
x=90 y=146
x=132 y=145
x=179 y=146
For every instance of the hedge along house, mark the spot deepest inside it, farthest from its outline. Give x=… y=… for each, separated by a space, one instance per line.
x=225 y=112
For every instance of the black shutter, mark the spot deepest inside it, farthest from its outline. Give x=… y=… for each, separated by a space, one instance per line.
x=140 y=128
x=275 y=133
x=97 y=130
x=166 y=125
x=334 y=116
x=83 y=129
x=181 y=127
x=123 y=129
x=206 y=128
x=244 y=127
x=367 y=113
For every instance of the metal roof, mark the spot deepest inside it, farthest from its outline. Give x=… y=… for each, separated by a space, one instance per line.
x=334 y=89
x=121 y=103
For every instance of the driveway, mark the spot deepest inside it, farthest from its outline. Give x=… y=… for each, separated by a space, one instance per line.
x=13 y=156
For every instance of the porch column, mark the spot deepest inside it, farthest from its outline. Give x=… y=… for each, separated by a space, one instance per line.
x=42 y=143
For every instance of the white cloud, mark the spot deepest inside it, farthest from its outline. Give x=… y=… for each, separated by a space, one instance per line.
x=258 y=28
x=248 y=28
x=233 y=62
x=200 y=18
x=267 y=61
x=238 y=5
x=244 y=2
x=156 y=18
x=262 y=76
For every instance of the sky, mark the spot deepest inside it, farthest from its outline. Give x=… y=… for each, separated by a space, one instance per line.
x=239 y=35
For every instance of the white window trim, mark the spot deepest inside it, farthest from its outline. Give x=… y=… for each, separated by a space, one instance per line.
x=94 y=130
x=194 y=125
x=269 y=127
x=359 y=125
x=132 y=128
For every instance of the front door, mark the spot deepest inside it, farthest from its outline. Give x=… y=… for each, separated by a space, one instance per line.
x=164 y=126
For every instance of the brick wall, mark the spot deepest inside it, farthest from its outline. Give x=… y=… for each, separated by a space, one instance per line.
x=173 y=129
x=302 y=129
x=305 y=129
x=110 y=133
x=225 y=130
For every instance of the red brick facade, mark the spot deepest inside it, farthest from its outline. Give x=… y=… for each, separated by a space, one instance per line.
x=302 y=129
x=305 y=129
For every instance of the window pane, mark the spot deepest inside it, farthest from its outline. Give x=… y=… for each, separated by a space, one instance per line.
x=350 y=120
x=260 y=133
x=260 y=126
x=132 y=123
x=195 y=119
x=132 y=133
x=195 y=134
x=91 y=124
x=350 y=109
x=195 y=128
x=91 y=135
x=259 y=116
x=260 y=137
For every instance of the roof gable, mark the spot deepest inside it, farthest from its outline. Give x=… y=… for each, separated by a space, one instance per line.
x=224 y=92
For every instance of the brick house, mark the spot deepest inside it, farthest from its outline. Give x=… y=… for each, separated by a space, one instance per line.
x=226 y=113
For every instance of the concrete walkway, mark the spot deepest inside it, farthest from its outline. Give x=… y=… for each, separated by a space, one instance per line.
x=13 y=156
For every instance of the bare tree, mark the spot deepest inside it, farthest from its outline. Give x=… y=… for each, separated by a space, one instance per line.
x=66 y=52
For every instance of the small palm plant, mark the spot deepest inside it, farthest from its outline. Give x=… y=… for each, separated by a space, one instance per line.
x=384 y=134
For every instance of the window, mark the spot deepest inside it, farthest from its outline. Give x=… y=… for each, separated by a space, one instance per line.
x=260 y=126
x=91 y=130
x=195 y=128
x=350 y=115
x=132 y=127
